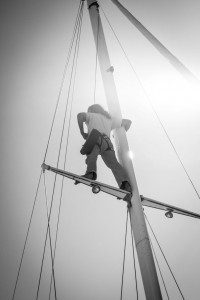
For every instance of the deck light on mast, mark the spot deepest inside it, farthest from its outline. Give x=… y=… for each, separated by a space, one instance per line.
x=169 y=214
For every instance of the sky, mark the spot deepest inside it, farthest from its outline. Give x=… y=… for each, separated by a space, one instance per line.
x=34 y=40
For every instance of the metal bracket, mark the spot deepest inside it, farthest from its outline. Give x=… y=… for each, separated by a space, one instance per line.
x=45 y=167
x=111 y=69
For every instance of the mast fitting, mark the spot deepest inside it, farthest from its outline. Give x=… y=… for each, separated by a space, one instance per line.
x=45 y=167
x=94 y=3
x=111 y=69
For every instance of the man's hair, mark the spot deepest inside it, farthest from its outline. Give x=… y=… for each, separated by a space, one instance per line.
x=98 y=109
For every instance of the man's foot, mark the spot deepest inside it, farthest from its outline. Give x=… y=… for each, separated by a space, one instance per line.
x=90 y=175
x=126 y=186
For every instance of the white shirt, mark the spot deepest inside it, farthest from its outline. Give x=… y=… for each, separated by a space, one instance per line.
x=99 y=122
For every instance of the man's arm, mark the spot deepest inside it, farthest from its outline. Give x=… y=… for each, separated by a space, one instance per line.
x=81 y=118
x=125 y=123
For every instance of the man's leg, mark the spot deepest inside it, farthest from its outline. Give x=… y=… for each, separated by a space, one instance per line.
x=112 y=163
x=91 y=162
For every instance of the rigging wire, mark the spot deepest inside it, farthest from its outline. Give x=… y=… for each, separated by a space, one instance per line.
x=136 y=284
x=65 y=158
x=39 y=180
x=124 y=257
x=97 y=48
x=161 y=275
x=26 y=238
x=59 y=152
x=50 y=240
x=63 y=77
x=61 y=141
x=153 y=109
x=164 y=257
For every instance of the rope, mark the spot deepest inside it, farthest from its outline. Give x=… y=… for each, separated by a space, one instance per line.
x=66 y=150
x=159 y=269
x=153 y=109
x=61 y=140
x=97 y=48
x=136 y=285
x=26 y=238
x=124 y=257
x=165 y=258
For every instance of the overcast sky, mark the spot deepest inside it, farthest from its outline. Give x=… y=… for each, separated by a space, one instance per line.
x=34 y=39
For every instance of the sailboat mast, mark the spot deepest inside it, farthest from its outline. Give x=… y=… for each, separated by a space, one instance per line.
x=174 y=61
x=145 y=256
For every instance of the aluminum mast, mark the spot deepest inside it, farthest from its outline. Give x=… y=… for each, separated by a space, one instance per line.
x=145 y=256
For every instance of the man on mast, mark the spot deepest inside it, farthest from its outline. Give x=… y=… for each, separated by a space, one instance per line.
x=100 y=124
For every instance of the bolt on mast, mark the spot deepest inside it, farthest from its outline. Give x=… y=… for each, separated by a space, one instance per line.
x=144 y=252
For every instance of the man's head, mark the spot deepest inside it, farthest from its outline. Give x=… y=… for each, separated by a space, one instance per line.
x=98 y=109
x=95 y=108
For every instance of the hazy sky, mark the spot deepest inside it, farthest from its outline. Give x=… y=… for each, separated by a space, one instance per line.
x=34 y=39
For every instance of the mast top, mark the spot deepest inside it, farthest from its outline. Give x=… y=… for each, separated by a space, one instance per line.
x=92 y=3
